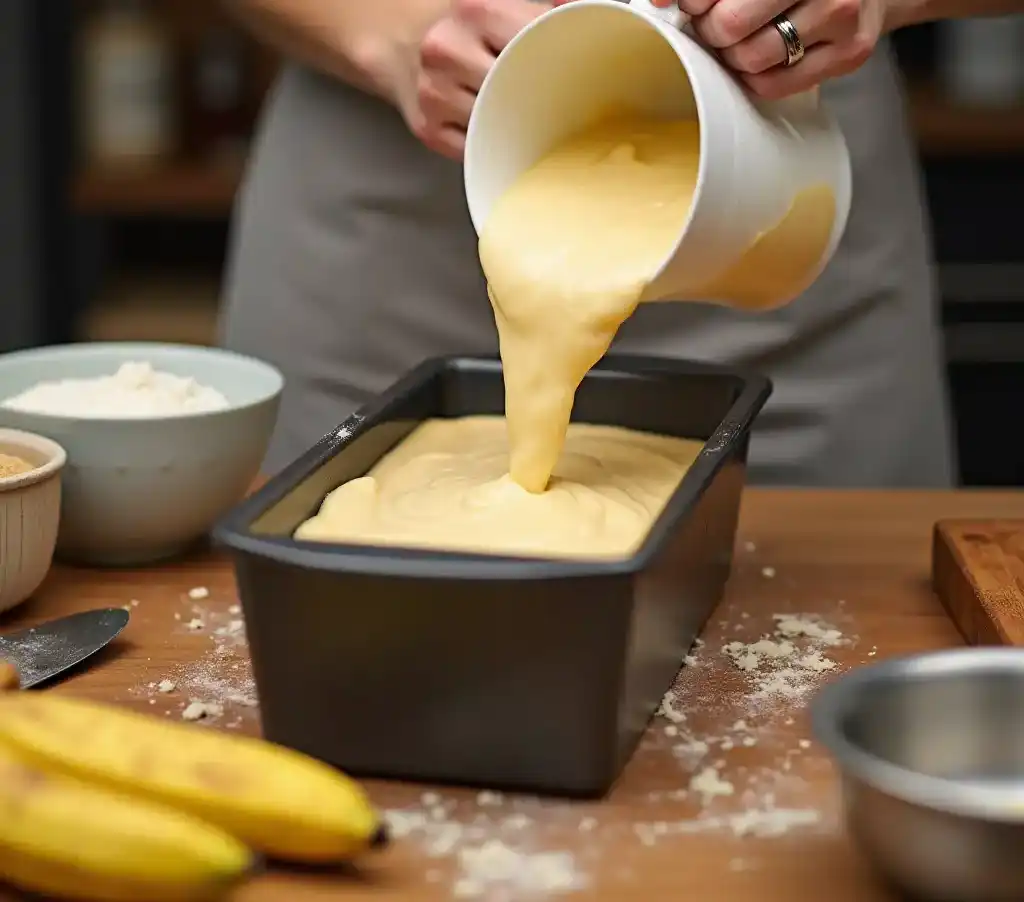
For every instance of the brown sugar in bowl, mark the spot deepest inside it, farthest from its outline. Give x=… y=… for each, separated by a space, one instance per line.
x=29 y=512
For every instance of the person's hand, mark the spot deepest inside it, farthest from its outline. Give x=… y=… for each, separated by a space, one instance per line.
x=838 y=37
x=452 y=58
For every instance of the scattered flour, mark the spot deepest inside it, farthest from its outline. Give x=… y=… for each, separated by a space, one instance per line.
x=196 y=710
x=499 y=855
x=135 y=391
x=709 y=784
x=742 y=796
x=736 y=767
x=496 y=864
x=780 y=665
x=730 y=761
x=219 y=686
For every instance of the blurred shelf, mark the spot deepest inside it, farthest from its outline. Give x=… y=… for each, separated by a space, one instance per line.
x=157 y=307
x=192 y=189
x=946 y=129
x=175 y=189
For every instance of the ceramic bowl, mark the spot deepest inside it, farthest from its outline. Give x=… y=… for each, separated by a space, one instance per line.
x=29 y=515
x=140 y=490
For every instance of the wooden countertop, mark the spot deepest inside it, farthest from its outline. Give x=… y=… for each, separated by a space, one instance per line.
x=858 y=560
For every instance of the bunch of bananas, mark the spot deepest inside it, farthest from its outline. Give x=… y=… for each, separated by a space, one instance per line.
x=104 y=804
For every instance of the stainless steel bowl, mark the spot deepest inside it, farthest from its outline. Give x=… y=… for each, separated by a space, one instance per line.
x=931 y=754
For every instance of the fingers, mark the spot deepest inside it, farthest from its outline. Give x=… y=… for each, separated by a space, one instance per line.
x=449 y=103
x=451 y=54
x=690 y=7
x=819 y=64
x=447 y=140
x=453 y=64
x=765 y=48
x=455 y=56
x=729 y=22
x=497 y=21
x=838 y=37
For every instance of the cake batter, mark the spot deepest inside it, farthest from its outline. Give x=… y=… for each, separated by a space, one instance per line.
x=569 y=250
x=446 y=487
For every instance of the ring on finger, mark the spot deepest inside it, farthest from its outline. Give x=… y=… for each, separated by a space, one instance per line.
x=791 y=39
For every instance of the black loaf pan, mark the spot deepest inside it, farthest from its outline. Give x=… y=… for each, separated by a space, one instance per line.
x=500 y=672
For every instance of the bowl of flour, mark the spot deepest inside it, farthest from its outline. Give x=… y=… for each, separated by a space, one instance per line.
x=161 y=439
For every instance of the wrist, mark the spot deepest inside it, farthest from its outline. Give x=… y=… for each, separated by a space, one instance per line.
x=372 y=60
x=905 y=13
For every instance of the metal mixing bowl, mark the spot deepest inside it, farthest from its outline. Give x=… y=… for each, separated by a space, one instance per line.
x=931 y=754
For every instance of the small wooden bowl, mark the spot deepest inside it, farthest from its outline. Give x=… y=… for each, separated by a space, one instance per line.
x=29 y=514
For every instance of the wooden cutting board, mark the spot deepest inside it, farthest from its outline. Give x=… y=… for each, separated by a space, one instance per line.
x=978 y=574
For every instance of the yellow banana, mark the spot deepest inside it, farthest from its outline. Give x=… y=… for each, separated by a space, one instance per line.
x=65 y=839
x=8 y=677
x=278 y=801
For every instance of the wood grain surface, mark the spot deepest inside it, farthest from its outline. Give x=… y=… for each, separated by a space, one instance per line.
x=858 y=560
x=978 y=574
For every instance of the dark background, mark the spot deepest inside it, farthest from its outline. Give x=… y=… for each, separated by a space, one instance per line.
x=93 y=253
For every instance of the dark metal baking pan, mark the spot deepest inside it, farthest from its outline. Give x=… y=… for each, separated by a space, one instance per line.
x=510 y=673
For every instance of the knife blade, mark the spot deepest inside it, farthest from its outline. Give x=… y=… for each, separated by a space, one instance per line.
x=42 y=652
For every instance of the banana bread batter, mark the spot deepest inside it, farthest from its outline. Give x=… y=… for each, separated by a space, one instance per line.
x=567 y=252
x=447 y=487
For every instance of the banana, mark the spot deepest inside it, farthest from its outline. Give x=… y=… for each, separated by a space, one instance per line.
x=276 y=800
x=8 y=677
x=65 y=839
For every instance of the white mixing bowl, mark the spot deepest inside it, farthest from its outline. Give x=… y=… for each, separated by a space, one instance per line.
x=136 y=491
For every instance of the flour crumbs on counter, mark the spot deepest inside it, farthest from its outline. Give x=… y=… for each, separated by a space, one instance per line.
x=196 y=710
x=789 y=661
x=742 y=762
x=219 y=684
x=501 y=853
x=708 y=784
x=708 y=764
x=494 y=865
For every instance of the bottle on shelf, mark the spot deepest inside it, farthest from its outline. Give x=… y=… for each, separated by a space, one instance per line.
x=126 y=85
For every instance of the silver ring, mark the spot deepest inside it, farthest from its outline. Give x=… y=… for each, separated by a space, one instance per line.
x=790 y=38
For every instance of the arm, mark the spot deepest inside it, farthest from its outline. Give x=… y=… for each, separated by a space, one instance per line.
x=426 y=57
x=356 y=41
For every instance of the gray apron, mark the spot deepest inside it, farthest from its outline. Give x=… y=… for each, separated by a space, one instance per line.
x=353 y=259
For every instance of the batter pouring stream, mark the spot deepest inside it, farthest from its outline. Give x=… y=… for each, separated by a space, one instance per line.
x=567 y=253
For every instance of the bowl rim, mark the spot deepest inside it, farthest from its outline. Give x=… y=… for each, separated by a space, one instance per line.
x=57 y=458
x=97 y=347
x=996 y=801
